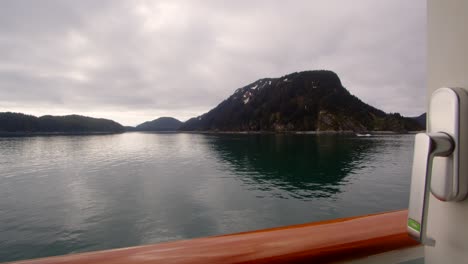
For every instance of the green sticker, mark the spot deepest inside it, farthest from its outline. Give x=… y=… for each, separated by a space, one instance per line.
x=414 y=224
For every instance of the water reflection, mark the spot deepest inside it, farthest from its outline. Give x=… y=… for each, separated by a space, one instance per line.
x=306 y=166
x=67 y=194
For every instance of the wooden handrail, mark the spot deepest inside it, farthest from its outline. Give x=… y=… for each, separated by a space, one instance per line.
x=327 y=241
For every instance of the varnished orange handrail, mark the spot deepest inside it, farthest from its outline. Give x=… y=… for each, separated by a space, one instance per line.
x=326 y=241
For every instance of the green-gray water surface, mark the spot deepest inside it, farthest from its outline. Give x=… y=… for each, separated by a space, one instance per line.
x=64 y=194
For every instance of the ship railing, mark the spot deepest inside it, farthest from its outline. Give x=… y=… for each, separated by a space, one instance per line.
x=361 y=239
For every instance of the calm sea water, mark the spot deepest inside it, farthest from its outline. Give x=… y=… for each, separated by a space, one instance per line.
x=64 y=194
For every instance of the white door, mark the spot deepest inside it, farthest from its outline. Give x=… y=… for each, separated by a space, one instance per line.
x=447 y=67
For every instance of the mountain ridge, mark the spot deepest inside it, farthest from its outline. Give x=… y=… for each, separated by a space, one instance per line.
x=300 y=101
x=17 y=122
x=160 y=124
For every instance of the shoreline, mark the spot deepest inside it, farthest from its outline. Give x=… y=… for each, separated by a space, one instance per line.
x=330 y=132
x=32 y=134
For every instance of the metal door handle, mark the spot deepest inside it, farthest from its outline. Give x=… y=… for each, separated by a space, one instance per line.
x=440 y=166
x=426 y=147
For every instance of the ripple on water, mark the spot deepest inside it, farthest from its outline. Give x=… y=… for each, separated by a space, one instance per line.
x=76 y=193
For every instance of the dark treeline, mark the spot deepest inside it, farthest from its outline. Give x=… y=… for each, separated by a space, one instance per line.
x=17 y=122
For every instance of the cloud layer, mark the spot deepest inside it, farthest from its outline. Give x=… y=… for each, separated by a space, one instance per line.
x=134 y=61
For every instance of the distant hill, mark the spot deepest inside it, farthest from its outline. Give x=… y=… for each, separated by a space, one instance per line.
x=303 y=101
x=421 y=120
x=160 y=124
x=17 y=122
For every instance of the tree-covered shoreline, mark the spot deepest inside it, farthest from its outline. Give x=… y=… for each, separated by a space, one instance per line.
x=28 y=124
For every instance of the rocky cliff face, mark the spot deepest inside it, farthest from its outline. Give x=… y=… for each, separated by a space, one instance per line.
x=304 y=101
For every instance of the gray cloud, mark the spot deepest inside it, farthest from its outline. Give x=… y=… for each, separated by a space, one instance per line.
x=136 y=60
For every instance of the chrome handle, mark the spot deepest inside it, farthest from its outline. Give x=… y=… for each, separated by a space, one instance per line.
x=426 y=147
x=439 y=166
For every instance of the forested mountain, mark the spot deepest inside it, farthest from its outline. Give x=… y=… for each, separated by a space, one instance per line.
x=301 y=101
x=160 y=124
x=17 y=122
x=420 y=119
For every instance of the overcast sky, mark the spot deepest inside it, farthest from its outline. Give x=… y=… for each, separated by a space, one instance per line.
x=133 y=61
